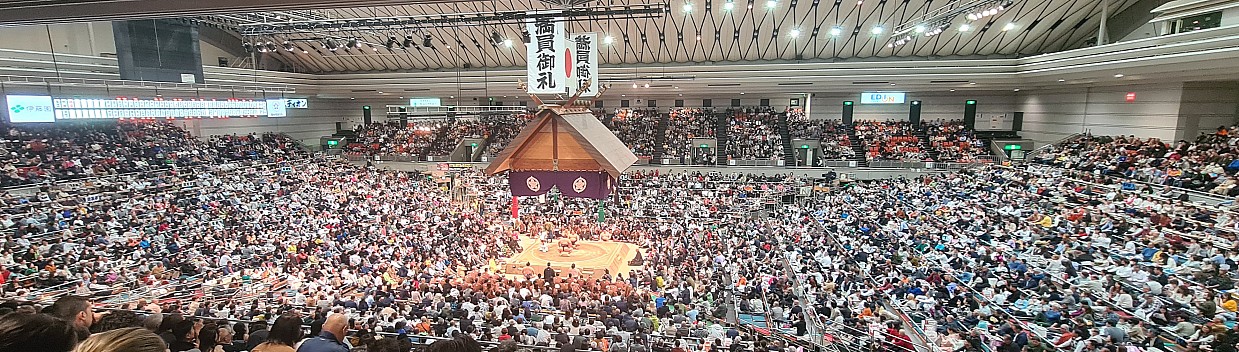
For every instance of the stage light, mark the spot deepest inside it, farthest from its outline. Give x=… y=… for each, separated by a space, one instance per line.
x=688 y=7
x=507 y=43
x=332 y=45
x=965 y=27
x=729 y=6
x=1008 y=27
x=608 y=40
x=920 y=28
x=772 y=4
x=426 y=42
x=391 y=42
x=877 y=30
x=794 y=33
x=352 y=43
x=288 y=46
x=836 y=31
x=408 y=42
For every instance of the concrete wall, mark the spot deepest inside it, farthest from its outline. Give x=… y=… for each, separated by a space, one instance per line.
x=1205 y=106
x=306 y=125
x=92 y=39
x=1050 y=115
x=944 y=106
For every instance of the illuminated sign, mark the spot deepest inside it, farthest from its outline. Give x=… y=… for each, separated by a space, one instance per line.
x=881 y=98
x=296 y=104
x=76 y=108
x=1131 y=97
x=30 y=108
x=277 y=108
x=415 y=102
x=1012 y=147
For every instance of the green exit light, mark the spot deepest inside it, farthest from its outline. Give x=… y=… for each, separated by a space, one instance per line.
x=367 y=107
x=971 y=102
x=475 y=145
x=806 y=146
x=1012 y=147
x=333 y=143
x=704 y=146
x=847 y=103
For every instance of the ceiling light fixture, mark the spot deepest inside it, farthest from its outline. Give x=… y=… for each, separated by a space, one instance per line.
x=877 y=30
x=920 y=28
x=794 y=33
x=507 y=43
x=965 y=27
x=729 y=6
x=1008 y=27
x=772 y=4
x=688 y=7
x=1118 y=75
x=836 y=31
x=608 y=40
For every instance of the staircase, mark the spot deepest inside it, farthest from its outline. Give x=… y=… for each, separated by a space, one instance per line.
x=722 y=141
x=789 y=154
x=923 y=136
x=660 y=137
x=858 y=146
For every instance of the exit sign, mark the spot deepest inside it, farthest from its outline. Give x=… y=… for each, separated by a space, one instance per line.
x=971 y=102
x=1012 y=147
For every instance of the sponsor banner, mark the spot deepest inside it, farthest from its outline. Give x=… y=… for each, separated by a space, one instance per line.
x=585 y=57
x=547 y=64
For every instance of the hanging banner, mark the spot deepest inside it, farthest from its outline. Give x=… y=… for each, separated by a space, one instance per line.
x=596 y=185
x=547 y=63
x=585 y=57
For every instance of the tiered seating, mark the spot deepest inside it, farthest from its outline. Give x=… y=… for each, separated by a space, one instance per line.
x=752 y=135
x=951 y=141
x=683 y=125
x=890 y=141
x=835 y=143
x=1205 y=164
x=636 y=127
x=392 y=138
x=273 y=146
x=503 y=128
x=453 y=132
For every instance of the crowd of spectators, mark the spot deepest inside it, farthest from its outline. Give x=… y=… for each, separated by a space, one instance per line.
x=890 y=141
x=266 y=145
x=452 y=132
x=1021 y=260
x=952 y=141
x=394 y=138
x=38 y=154
x=1205 y=164
x=684 y=124
x=354 y=252
x=753 y=135
x=831 y=134
x=638 y=128
x=503 y=128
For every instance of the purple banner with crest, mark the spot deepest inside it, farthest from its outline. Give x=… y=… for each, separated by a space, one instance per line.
x=596 y=185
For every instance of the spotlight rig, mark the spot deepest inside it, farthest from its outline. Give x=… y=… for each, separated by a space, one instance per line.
x=935 y=21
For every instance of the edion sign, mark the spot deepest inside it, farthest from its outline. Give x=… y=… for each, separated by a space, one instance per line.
x=881 y=98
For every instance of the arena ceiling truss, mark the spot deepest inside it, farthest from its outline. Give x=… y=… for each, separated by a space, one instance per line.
x=685 y=32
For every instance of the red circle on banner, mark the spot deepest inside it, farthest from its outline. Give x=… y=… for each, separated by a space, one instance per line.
x=567 y=62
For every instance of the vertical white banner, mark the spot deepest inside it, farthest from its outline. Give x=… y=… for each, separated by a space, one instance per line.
x=547 y=62
x=585 y=52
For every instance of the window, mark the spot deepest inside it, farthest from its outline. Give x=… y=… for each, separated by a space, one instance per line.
x=1198 y=22
x=735 y=102
x=624 y=103
x=679 y=103
x=653 y=103
x=707 y=103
